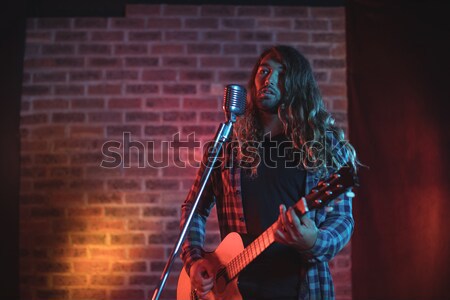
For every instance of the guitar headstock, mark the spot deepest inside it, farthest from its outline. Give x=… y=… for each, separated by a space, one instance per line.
x=328 y=189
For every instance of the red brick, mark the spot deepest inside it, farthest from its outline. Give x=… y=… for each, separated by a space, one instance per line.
x=141 y=61
x=108 y=36
x=124 y=103
x=238 y=23
x=200 y=130
x=293 y=37
x=217 y=61
x=234 y=76
x=66 y=172
x=144 y=280
x=181 y=36
x=70 y=36
x=88 y=103
x=167 y=49
x=127 y=23
x=291 y=11
x=327 y=12
x=33 y=146
x=69 y=90
x=53 y=267
x=105 y=62
x=128 y=294
x=142 y=88
x=88 y=294
x=179 y=61
x=85 y=75
x=34 y=90
x=166 y=23
x=69 y=252
x=180 y=116
x=120 y=130
x=104 y=198
x=239 y=49
x=86 y=184
x=150 y=252
x=312 y=25
x=108 y=280
x=196 y=75
x=258 y=36
x=329 y=63
x=142 y=117
x=58 y=49
x=109 y=253
x=256 y=11
x=180 y=10
x=46 y=185
x=91 y=266
x=165 y=238
x=142 y=10
x=85 y=131
x=124 y=184
x=34 y=280
x=328 y=37
x=129 y=267
x=274 y=24
x=54 y=63
x=94 y=49
x=315 y=50
x=180 y=89
x=122 y=212
x=161 y=211
x=56 y=294
x=218 y=10
x=91 y=23
x=48 y=159
x=203 y=48
x=339 y=50
x=141 y=198
x=68 y=117
x=223 y=35
x=201 y=23
x=33 y=119
x=85 y=212
x=104 y=89
x=145 y=36
x=333 y=90
x=127 y=239
x=159 y=75
x=49 y=77
x=130 y=49
x=69 y=280
x=86 y=158
x=162 y=102
x=121 y=75
x=204 y=103
x=160 y=130
x=144 y=225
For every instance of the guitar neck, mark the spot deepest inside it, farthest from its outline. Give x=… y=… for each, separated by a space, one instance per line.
x=261 y=243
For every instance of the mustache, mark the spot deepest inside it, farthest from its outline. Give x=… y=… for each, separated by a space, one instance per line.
x=267 y=88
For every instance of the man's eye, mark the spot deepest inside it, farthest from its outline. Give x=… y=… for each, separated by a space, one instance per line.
x=263 y=71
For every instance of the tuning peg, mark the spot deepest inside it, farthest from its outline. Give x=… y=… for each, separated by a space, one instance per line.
x=328 y=209
x=350 y=194
x=328 y=193
x=318 y=201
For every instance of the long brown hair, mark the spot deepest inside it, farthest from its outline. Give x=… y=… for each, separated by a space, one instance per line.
x=306 y=122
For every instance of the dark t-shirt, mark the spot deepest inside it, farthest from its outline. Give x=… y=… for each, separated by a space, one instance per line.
x=275 y=273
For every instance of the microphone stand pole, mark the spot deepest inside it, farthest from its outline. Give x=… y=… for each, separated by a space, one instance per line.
x=223 y=135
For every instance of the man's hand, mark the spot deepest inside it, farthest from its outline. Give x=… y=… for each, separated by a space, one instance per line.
x=291 y=231
x=201 y=277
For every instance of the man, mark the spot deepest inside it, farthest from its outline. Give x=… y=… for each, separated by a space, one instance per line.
x=286 y=142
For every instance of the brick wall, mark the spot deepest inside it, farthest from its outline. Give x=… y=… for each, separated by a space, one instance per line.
x=92 y=232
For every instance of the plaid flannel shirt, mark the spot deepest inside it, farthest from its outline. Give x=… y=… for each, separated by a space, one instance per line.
x=223 y=190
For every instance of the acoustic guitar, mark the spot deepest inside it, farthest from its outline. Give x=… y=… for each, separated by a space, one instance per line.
x=231 y=257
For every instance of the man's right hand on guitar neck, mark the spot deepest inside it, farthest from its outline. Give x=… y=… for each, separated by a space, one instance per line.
x=202 y=279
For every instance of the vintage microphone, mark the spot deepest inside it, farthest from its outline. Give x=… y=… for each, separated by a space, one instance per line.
x=234 y=100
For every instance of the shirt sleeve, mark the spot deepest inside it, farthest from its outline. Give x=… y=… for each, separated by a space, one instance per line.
x=334 y=233
x=337 y=228
x=192 y=248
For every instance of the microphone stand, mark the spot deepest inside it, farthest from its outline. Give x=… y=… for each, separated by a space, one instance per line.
x=223 y=135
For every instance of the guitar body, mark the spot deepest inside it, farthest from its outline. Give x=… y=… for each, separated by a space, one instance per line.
x=229 y=248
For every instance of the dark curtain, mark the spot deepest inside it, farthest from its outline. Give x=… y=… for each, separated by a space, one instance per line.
x=398 y=78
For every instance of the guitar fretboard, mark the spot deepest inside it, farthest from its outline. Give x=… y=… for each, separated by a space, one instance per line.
x=261 y=243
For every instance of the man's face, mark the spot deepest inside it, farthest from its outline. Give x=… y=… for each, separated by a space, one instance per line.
x=269 y=81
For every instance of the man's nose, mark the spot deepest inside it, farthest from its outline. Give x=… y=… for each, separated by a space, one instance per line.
x=271 y=79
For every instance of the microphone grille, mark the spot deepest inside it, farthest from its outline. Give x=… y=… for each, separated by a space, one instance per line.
x=234 y=99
